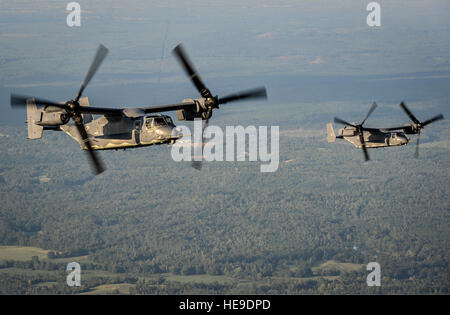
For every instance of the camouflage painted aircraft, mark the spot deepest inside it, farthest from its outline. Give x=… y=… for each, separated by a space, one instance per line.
x=121 y=128
x=364 y=138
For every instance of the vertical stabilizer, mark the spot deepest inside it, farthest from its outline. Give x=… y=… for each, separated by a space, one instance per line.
x=331 y=136
x=33 y=116
x=87 y=118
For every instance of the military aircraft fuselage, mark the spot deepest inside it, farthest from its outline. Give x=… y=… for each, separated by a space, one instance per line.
x=121 y=128
x=373 y=139
x=114 y=132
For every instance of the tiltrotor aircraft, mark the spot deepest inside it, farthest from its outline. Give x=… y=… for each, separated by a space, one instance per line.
x=363 y=138
x=121 y=128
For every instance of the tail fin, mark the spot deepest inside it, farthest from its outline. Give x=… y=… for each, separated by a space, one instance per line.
x=331 y=136
x=87 y=118
x=33 y=116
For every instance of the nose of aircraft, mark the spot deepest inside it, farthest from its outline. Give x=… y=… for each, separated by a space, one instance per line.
x=403 y=139
x=164 y=132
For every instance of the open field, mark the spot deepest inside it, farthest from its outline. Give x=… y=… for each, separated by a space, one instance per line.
x=21 y=253
x=207 y=279
x=340 y=266
x=119 y=288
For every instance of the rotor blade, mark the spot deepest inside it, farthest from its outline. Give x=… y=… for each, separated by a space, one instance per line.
x=257 y=93
x=198 y=164
x=408 y=112
x=363 y=144
x=343 y=122
x=96 y=164
x=102 y=51
x=21 y=100
x=416 y=153
x=372 y=108
x=190 y=71
x=429 y=121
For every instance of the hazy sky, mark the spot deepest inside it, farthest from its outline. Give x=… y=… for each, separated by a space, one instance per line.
x=225 y=38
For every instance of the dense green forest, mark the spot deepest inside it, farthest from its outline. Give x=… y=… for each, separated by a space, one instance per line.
x=154 y=226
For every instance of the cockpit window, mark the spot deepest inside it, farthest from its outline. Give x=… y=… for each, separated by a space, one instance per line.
x=169 y=120
x=159 y=121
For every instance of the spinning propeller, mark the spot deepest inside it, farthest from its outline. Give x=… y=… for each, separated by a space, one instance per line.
x=416 y=127
x=210 y=100
x=202 y=107
x=359 y=129
x=72 y=108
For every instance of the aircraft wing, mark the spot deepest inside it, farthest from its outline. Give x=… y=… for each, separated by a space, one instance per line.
x=167 y=108
x=20 y=100
x=135 y=111
x=395 y=128
x=101 y=111
x=373 y=129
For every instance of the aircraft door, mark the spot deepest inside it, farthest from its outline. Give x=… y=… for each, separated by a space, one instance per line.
x=137 y=131
x=147 y=132
x=387 y=139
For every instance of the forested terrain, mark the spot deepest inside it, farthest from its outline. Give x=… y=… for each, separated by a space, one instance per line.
x=161 y=227
x=149 y=225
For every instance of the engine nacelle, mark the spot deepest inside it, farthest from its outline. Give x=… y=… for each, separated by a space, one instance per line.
x=53 y=119
x=348 y=132
x=410 y=129
x=200 y=111
x=189 y=115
